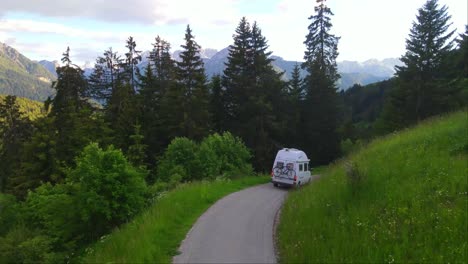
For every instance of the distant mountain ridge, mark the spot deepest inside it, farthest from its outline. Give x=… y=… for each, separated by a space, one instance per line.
x=352 y=72
x=51 y=66
x=23 y=77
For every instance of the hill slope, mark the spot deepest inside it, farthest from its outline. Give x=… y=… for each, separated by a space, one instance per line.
x=32 y=109
x=402 y=199
x=22 y=77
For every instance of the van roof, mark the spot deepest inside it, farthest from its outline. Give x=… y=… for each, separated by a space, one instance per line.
x=291 y=154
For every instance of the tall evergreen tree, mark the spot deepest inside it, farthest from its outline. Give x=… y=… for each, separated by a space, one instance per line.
x=67 y=109
x=192 y=80
x=422 y=78
x=254 y=93
x=320 y=113
x=292 y=107
x=112 y=83
x=236 y=74
x=132 y=59
x=106 y=76
x=158 y=78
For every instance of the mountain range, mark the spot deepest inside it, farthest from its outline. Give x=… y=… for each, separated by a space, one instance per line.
x=32 y=79
x=352 y=72
x=22 y=77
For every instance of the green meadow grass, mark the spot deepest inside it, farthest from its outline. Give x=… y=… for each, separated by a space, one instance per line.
x=155 y=235
x=401 y=199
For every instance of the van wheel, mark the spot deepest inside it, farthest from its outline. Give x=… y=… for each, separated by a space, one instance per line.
x=275 y=184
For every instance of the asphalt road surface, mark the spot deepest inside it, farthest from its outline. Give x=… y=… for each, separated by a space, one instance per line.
x=236 y=229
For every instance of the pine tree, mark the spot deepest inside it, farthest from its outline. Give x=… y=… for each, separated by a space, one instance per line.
x=132 y=59
x=236 y=75
x=254 y=94
x=422 y=78
x=113 y=82
x=71 y=88
x=158 y=78
x=292 y=107
x=295 y=85
x=67 y=110
x=320 y=113
x=106 y=76
x=192 y=80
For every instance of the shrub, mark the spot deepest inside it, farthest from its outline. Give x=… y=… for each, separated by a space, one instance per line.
x=180 y=161
x=52 y=209
x=109 y=190
x=224 y=155
x=21 y=245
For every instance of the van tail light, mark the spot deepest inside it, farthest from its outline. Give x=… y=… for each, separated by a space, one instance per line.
x=295 y=177
x=271 y=174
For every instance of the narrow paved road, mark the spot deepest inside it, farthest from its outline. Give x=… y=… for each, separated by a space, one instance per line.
x=236 y=229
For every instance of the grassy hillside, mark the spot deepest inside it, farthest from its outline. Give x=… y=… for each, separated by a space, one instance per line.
x=154 y=236
x=32 y=109
x=22 y=77
x=402 y=199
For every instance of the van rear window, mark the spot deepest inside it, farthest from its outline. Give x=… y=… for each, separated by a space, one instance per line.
x=290 y=166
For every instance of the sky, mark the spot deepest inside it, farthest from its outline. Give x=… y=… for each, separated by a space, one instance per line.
x=42 y=29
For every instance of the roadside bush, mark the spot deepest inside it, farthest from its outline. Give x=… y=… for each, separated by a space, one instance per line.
x=52 y=209
x=109 y=190
x=224 y=155
x=348 y=146
x=21 y=245
x=180 y=161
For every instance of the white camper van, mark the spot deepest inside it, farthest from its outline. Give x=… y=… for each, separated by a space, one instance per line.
x=291 y=168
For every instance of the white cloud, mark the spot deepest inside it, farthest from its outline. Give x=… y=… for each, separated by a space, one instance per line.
x=138 y=11
x=31 y=26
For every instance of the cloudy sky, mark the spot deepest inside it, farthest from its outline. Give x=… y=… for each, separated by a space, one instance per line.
x=42 y=29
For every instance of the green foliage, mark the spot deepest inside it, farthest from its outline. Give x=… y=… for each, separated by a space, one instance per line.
x=21 y=245
x=180 y=160
x=401 y=199
x=348 y=146
x=155 y=235
x=102 y=192
x=136 y=151
x=217 y=156
x=54 y=211
x=15 y=130
x=40 y=161
x=110 y=190
x=224 y=155
x=9 y=212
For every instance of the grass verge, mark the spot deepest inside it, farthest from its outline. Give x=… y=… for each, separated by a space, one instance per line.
x=401 y=199
x=155 y=235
